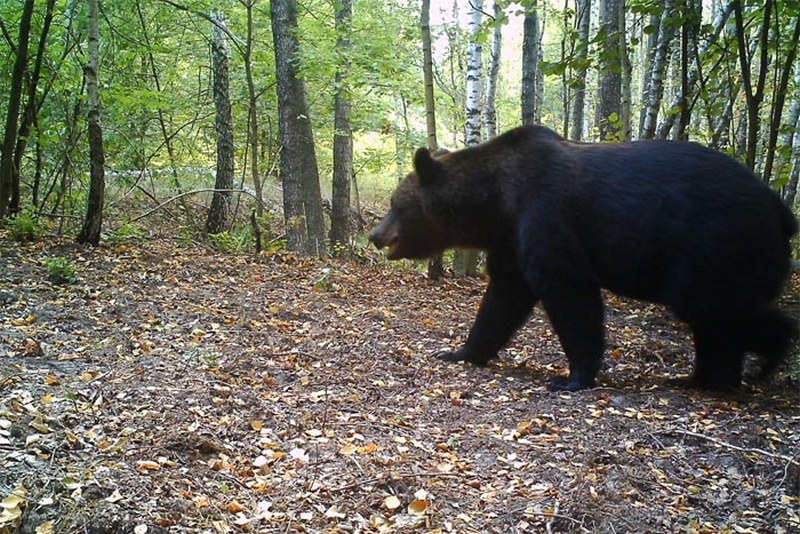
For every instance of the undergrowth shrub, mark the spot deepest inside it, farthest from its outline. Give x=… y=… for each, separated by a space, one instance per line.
x=26 y=227
x=61 y=270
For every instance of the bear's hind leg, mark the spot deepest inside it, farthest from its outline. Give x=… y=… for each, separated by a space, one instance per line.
x=719 y=355
x=769 y=333
x=576 y=314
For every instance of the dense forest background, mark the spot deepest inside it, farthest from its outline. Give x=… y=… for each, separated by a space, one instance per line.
x=120 y=116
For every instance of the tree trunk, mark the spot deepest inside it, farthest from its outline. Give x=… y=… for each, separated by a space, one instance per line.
x=302 y=200
x=579 y=76
x=626 y=78
x=780 y=99
x=343 y=131
x=32 y=105
x=90 y=233
x=530 y=64
x=792 y=141
x=655 y=88
x=648 y=56
x=252 y=103
x=753 y=96
x=474 y=77
x=12 y=113
x=465 y=262
x=427 y=71
x=494 y=74
x=435 y=264
x=609 y=109
x=694 y=76
x=221 y=206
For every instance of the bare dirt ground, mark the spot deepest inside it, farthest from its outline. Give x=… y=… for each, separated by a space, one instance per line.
x=173 y=389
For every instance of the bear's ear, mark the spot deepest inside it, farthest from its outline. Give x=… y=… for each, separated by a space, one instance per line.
x=426 y=167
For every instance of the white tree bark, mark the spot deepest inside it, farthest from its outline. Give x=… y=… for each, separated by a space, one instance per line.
x=656 y=90
x=494 y=76
x=474 y=76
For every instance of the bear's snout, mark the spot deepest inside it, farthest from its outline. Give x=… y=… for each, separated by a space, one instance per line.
x=385 y=233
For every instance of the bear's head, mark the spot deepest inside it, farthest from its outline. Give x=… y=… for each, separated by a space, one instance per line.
x=413 y=229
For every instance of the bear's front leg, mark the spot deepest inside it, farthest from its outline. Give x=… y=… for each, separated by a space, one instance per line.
x=575 y=309
x=506 y=305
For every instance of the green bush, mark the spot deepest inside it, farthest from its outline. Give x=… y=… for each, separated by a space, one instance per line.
x=236 y=242
x=26 y=227
x=126 y=232
x=61 y=270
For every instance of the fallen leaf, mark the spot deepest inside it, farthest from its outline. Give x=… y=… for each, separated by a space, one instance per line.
x=235 y=507
x=392 y=502
x=148 y=465
x=418 y=506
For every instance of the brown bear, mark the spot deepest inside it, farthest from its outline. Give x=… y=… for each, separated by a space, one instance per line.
x=668 y=222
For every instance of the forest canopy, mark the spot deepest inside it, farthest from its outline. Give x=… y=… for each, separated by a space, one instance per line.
x=192 y=97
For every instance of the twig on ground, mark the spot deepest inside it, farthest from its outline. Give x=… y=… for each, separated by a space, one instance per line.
x=731 y=446
x=383 y=478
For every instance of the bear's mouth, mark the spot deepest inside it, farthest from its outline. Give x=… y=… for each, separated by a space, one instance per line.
x=393 y=245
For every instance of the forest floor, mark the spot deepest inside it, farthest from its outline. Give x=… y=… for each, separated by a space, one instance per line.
x=172 y=389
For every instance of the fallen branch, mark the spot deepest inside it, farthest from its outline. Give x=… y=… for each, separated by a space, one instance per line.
x=727 y=445
x=187 y=193
x=384 y=478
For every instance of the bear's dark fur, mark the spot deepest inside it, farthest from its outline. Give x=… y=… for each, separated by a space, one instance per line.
x=667 y=222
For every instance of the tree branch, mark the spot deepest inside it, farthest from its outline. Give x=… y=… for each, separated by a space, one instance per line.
x=236 y=40
x=727 y=445
x=187 y=193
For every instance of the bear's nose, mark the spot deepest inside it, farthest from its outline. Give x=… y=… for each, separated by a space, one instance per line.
x=375 y=237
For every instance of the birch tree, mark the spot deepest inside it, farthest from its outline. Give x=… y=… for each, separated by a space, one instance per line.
x=474 y=76
x=465 y=261
x=90 y=232
x=718 y=24
x=581 y=60
x=655 y=91
x=494 y=73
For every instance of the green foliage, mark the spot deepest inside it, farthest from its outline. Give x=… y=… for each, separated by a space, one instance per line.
x=126 y=232
x=61 y=270
x=235 y=242
x=26 y=227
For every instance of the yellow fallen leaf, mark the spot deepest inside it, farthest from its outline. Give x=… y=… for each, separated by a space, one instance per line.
x=348 y=449
x=52 y=380
x=235 y=507
x=9 y=515
x=148 y=465
x=418 y=506
x=256 y=425
x=16 y=498
x=368 y=448
x=46 y=528
x=41 y=426
x=392 y=502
